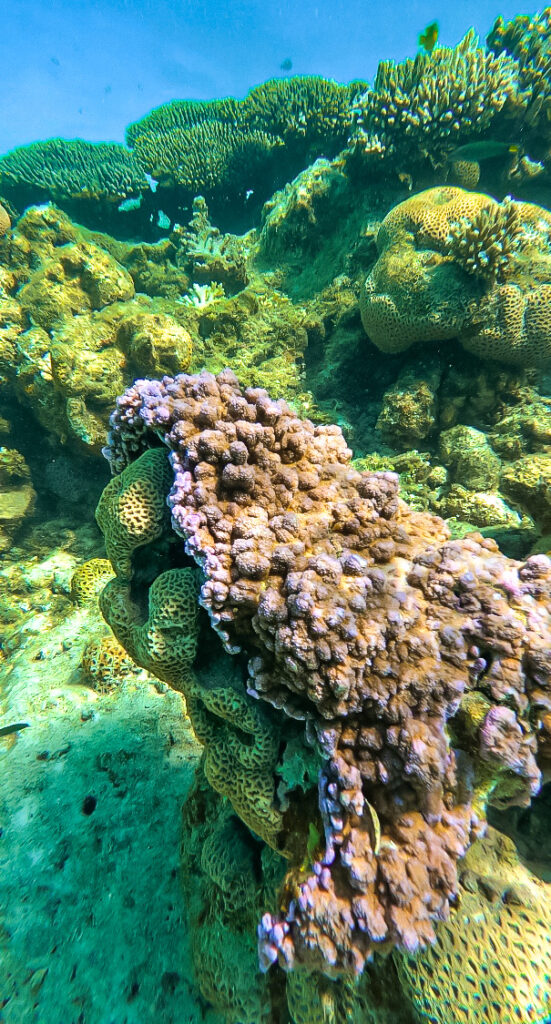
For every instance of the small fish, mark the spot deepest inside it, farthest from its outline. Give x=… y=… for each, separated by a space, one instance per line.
x=484 y=150
x=55 y=61
x=286 y=64
x=429 y=37
x=8 y=730
x=107 y=90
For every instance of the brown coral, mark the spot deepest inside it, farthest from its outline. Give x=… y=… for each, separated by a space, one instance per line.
x=366 y=622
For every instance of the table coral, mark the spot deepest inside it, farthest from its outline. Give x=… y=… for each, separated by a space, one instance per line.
x=70 y=169
x=456 y=264
x=365 y=626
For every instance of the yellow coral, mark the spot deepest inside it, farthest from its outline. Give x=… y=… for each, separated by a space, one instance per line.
x=241 y=753
x=89 y=578
x=492 y=959
x=166 y=643
x=457 y=264
x=105 y=663
x=5 y=222
x=132 y=509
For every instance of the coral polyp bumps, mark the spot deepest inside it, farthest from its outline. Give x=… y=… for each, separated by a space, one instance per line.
x=411 y=672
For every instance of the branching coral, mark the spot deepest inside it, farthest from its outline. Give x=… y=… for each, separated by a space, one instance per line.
x=71 y=169
x=487 y=243
x=424 y=108
x=528 y=39
x=416 y=665
x=182 y=114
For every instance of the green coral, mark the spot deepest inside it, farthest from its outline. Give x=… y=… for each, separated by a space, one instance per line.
x=210 y=158
x=62 y=169
x=469 y=457
x=310 y=113
x=527 y=38
x=182 y=114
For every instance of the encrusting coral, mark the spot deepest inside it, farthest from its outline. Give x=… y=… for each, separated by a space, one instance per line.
x=456 y=264
x=365 y=625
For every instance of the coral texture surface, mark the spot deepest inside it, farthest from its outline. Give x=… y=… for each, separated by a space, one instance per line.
x=418 y=668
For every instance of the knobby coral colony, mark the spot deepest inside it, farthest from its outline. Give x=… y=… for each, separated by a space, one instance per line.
x=415 y=670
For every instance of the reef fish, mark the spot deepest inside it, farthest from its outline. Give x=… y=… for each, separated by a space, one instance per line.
x=483 y=150
x=429 y=37
x=8 y=730
x=286 y=64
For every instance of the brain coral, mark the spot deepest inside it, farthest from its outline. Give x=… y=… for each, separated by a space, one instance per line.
x=457 y=264
x=418 y=667
x=492 y=960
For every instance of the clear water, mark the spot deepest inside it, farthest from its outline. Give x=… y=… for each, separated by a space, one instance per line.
x=322 y=794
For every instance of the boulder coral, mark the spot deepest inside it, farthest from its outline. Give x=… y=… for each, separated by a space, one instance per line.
x=456 y=264
x=417 y=668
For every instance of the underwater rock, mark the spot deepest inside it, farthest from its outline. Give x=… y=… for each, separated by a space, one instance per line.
x=80 y=278
x=470 y=459
x=296 y=219
x=368 y=632
x=528 y=482
x=410 y=407
x=5 y=222
x=493 y=293
x=17 y=494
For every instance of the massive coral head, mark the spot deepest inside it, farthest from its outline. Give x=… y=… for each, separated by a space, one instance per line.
x=412 y=670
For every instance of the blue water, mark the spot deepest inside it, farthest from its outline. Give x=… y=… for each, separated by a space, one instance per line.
x=87 y=69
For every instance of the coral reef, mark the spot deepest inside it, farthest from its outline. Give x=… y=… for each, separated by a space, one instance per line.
x=526 y=38
x=330 y=584
x=75 y=333
x=442 y=256
x=5 y=222
x=17 y=494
